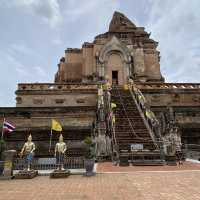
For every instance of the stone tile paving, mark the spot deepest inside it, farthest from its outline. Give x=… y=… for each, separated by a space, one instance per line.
x=109 y=167
x=177 y=185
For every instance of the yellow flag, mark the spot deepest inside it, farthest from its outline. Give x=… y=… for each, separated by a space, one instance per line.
x=56 y=126
x=125 y=87
x=113 y=105
x=113 y=119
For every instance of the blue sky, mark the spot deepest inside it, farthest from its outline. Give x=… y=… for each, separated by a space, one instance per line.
x=35 y=33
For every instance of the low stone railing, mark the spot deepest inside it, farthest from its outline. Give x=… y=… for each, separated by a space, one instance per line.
x=55 y=86
x=168 y=85
x=74 y=86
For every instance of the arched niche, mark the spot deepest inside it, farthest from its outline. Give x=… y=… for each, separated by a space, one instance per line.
x=115 y=48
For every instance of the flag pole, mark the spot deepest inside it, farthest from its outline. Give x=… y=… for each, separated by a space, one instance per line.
x=2 y=133
x=50 y=141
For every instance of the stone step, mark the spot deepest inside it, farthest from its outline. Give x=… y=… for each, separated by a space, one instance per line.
x=132 y=120
x=127 y=127
x=128 y=148
x=128 y=119
x=128 y=143
x=130 y=115
x=131 y=132
x=132 y=137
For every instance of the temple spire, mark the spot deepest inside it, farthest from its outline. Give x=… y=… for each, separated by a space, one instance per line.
x=120 y=23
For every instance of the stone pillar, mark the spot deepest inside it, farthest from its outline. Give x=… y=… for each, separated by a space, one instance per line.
x=103 y=70
x=127 y=70
x=130 y=69
x=100 y=70
x=139 y=66
x=8 y=164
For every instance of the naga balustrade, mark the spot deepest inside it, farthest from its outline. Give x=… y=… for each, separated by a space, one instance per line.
x=109 y=113
x=152 y=123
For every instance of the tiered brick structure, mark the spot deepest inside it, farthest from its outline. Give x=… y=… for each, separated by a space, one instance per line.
x=124 y=51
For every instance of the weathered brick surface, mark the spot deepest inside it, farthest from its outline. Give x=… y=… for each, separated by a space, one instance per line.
x=178 y=185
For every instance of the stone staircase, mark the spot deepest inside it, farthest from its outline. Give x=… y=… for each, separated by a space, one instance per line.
x=130 y=129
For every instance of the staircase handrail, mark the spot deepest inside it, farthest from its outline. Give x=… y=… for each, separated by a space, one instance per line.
x=108 y=110
x=103 y=111
x=132 y=129
x=144 y=108
x=130 y=123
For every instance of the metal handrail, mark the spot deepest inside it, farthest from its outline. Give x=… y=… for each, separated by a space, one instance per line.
x=49 y=163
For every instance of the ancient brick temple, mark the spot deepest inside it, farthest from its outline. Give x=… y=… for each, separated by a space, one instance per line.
x=124 y=51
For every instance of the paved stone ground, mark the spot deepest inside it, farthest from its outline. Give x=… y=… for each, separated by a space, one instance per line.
x=176 y=185
x=109 y=167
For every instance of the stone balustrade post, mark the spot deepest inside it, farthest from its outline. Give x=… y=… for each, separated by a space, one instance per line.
x=8 y=164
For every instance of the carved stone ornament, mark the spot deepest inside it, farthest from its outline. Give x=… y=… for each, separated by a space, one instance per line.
x=114 y=45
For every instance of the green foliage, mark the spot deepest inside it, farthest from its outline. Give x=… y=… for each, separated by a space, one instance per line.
x=88 y=141
x=90 y=153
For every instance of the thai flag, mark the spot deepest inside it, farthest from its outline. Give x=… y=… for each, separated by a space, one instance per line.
x=8 y=127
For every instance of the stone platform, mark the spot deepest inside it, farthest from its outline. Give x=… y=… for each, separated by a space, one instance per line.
x=25 y=174
x=60 y=173
x=171 y=160
x=6 y=177
x=109 y=167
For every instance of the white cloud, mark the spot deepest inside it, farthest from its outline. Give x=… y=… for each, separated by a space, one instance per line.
x=21 y=70
x=12 y=63
x=20 y=48
x=56 y=41
x=40 y=71
x=176 y=27
x=87 y=18
x=12 y=71
x=48 y=10
x=30 y=52
x=102 y=8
